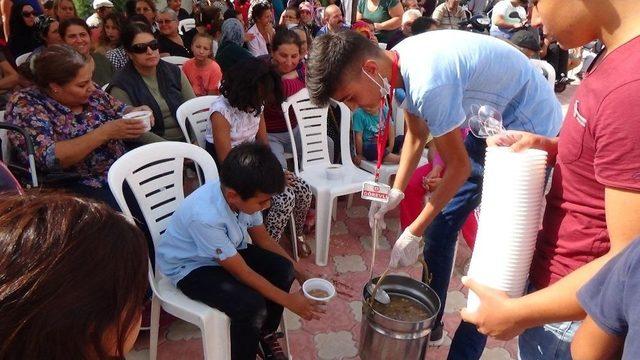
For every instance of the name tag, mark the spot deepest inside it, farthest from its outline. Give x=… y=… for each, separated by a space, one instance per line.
x=374 y=191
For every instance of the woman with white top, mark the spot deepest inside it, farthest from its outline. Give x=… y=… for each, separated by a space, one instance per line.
x=236 y=117
x=262 y=29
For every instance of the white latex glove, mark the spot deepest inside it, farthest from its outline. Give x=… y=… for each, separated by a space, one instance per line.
x=378 y=209
x=406 y=251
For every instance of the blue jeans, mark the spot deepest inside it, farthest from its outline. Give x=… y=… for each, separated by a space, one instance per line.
x=440 y=243
x=548 y=342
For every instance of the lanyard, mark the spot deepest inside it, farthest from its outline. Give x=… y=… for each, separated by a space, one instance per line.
x=383 y=123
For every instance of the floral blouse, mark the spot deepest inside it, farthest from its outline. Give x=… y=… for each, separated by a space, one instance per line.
x=49 y=122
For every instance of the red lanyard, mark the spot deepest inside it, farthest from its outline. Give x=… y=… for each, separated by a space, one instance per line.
x=383 y=123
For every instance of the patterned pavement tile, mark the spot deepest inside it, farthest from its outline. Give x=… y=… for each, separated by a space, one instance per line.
x=349 y=263
x=335 y=345
x=367 y=243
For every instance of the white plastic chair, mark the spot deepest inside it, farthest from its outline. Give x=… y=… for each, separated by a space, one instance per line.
x=105 y=87
x=186 y=25
x=176 y=60
x=312 y=122
x=154 y=173
x=545 y=67
x=195 y=112
x=22 y=58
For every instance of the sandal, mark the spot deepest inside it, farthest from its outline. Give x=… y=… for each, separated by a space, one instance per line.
x=304 y=250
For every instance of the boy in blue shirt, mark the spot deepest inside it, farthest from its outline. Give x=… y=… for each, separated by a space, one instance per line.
x=206 y=252
x=610 y=298
x=365 y=127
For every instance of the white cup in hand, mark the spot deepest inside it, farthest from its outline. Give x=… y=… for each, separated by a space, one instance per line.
x=144 y=116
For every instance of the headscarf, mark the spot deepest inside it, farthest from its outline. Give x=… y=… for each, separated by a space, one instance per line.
x=233 y=31
x=42 y=25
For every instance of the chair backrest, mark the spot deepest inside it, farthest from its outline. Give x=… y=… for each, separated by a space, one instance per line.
x=186 y=25
x=546 y=70
x=176 y=60
x=312 y=122
x=398 y=117
x=22 y=58
x=154 y=173
x=345 y=130
x=195 y=112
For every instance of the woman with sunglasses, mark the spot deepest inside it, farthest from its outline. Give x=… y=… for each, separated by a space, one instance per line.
x=146 y=80
x=23 y=37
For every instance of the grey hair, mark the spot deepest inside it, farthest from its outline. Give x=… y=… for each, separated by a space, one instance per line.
x=57 y=64
x=410 y=14
x=170 y=11
x=333 y=59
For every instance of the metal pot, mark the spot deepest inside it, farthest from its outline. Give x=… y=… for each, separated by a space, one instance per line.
x=383 y=338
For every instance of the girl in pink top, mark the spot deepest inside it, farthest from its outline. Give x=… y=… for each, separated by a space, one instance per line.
x=203 y=72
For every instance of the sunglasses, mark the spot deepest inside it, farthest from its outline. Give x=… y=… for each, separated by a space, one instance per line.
x=142 y=47
x=162 y=22
x=28 y=13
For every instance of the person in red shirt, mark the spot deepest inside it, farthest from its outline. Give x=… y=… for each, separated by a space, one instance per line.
x=203 y=72
x=593 y=208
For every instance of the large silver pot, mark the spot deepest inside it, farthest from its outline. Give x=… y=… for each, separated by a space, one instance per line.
x=383 y=338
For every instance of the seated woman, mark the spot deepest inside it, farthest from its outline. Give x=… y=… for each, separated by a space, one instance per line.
x=87 y=279
x=231 y=51
x=76 y=32
x=74 y=125
x=23 y=38
x=236 y=118
x=262 y=30
x=286 y=60
x=47 y=31
x=111 y=36
x=169 y=40
x=146 y=80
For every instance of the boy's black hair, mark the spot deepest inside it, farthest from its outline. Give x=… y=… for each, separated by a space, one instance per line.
x=252 y=168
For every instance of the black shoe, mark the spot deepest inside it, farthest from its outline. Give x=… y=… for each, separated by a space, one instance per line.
x=436 y=338
x=271 y=348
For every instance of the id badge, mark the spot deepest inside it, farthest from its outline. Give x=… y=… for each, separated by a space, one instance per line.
x=374 y=191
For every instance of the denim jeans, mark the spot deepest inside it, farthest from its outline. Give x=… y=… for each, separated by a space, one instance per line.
x=440 y=243
x=548 y=342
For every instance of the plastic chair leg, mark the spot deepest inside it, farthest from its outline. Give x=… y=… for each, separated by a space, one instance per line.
x=323 y=225
x=283 y=326
x=155 y=328
x=216 y=339
x=294 y=238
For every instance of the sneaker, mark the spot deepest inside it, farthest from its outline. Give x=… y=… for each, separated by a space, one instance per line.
x=436 y=338
x=270 y=347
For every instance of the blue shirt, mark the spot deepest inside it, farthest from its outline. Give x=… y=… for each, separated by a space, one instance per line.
x=201 y=232
x=366 y=123
x=611 y=299
x=447 y=73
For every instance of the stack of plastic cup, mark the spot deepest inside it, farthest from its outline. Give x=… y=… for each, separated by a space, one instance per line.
x=510 y=217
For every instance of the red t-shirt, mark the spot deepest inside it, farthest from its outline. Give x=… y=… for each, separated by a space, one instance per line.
x=203 y=80
x=599 y=147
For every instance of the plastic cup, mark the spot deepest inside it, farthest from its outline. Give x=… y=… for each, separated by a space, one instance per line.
x=144 y=116
x=317 y=284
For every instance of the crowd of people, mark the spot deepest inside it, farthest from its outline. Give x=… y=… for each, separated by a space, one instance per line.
x=68 y=82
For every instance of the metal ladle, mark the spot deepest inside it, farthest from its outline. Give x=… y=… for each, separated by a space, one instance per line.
x=376 y=292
